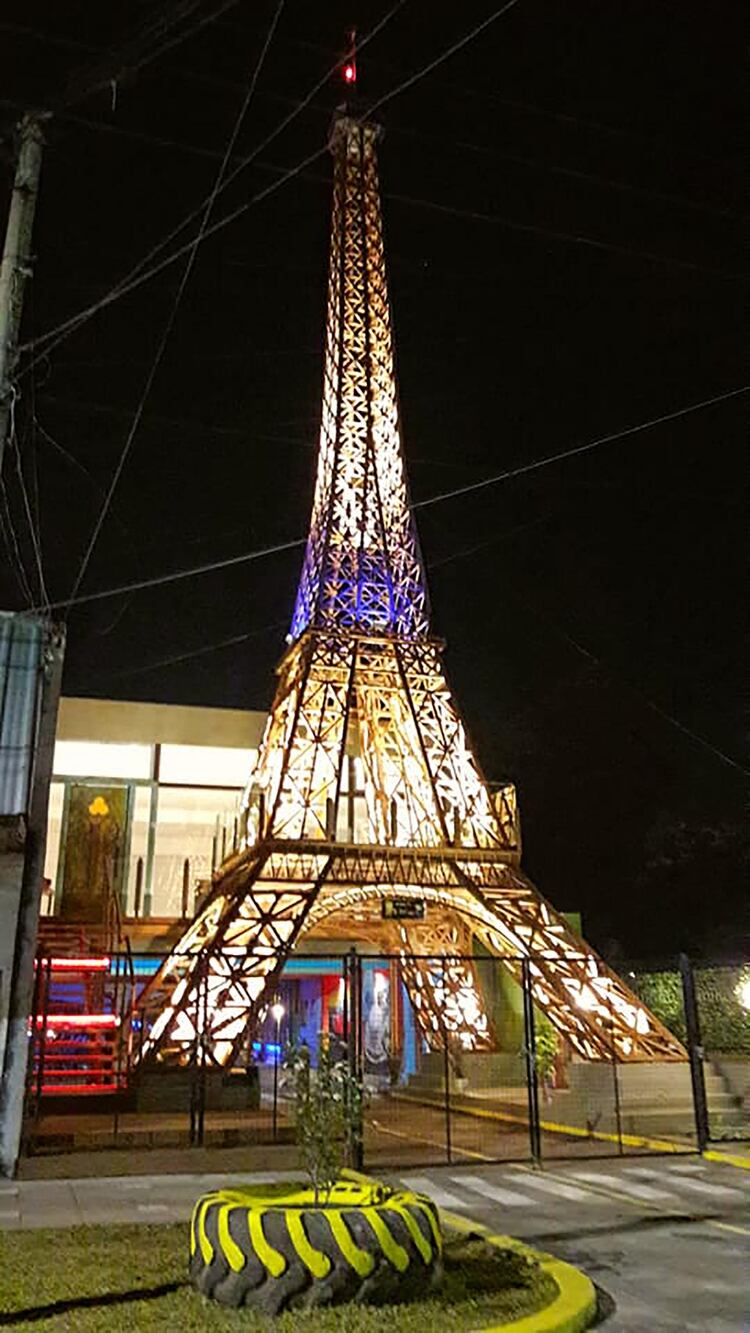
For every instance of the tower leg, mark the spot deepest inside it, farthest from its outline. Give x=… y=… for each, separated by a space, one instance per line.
x=212 y=985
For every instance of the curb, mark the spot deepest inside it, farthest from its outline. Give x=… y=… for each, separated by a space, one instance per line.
x=553 y=1127
x=738 y=1160
x=573 y=1308
x=575 y=1304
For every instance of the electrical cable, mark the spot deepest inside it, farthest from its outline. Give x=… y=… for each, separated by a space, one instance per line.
x=632 y=689
x=14 y=452
x=249 y=556
x=460 y=145
x=139 y=584
x=127 y=286
x=199 y=652
x=554 y=169
x=33 y=530
x=575 y=238
x=130 y=280
x=10 y=537
x=32 y=523
x=144 y=45
x=580 y=448
x=439 y=60
x=176 y=303
x=578 y=239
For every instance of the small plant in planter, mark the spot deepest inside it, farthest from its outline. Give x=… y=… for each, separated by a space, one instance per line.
x=328 y=1112
x=325 y=1243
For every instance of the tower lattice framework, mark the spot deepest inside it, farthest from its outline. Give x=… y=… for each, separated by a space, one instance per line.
x=362 y=679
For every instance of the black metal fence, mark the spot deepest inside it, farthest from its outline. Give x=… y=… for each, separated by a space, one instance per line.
x=428 y=1099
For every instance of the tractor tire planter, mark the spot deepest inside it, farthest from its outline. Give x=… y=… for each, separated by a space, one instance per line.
x=275 y=1248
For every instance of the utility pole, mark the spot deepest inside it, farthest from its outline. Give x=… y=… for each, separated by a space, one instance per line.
x=27 y=889
x=17 y=262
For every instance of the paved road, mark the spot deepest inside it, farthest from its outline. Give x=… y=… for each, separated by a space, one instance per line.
x=667 y=1240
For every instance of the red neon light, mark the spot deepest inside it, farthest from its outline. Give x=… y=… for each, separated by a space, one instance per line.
x=78 y=1089
x=78 y=1021
x=77 y=964
x=350 y=72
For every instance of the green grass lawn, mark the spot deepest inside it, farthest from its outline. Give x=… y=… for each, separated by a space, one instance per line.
x=133 y=1278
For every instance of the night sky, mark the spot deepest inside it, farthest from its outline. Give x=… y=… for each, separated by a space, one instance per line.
x=562 y=207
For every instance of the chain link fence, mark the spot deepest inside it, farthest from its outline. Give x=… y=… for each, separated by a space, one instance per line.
x=518 y=1092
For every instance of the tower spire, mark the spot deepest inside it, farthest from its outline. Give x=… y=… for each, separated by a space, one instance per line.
x=362 y=568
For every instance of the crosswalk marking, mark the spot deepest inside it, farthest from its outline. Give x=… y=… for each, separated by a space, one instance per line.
x=478 y=1185
x=558 y=1187
x=625 y=1186
x=700 y=1186
x=443 y=1198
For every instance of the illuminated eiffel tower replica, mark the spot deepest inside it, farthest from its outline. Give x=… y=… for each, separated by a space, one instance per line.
x=361 y=684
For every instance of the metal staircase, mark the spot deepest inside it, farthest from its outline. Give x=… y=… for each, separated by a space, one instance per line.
x=78 y=1023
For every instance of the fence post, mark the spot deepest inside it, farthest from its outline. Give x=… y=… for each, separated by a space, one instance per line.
x=695 y=1052
x=31 y=1099
x=197 y=1091
x=205 y=1038
x=185 y=887
x=355 y=1056
x=616 y=1082
x=532 y=1085
x=138 y=901
x=447 y=1093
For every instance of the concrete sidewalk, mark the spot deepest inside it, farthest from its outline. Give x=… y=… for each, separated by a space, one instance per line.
x=115 y=1200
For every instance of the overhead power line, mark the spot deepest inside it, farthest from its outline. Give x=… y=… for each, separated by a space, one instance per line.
x=619 y=680
x=570 y=238
x=139 y=584
x=165 y=27
x=138 y=275
x=579 y=449
x=440 y=60
x=132 y=279
x=279 y=547
x=176 y=302
x=199 y=652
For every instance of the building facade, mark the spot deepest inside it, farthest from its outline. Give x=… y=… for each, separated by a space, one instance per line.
x=142 y=804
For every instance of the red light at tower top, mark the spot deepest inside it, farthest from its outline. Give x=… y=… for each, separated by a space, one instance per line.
x=349 y=67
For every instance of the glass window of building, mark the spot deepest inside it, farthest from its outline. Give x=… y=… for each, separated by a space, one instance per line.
x=187 y=821
x=205 y=765
x=52 y=850
x=139 y=824
x=102 y=759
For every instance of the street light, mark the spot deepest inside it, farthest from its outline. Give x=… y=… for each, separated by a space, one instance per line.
x=277 y=1013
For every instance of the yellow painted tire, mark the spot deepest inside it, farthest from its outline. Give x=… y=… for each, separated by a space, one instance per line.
x=275 y=1248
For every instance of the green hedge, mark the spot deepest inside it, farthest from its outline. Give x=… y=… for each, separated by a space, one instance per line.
x=725 y=1024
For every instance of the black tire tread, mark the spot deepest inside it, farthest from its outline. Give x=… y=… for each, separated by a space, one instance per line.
x=297 y=1287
